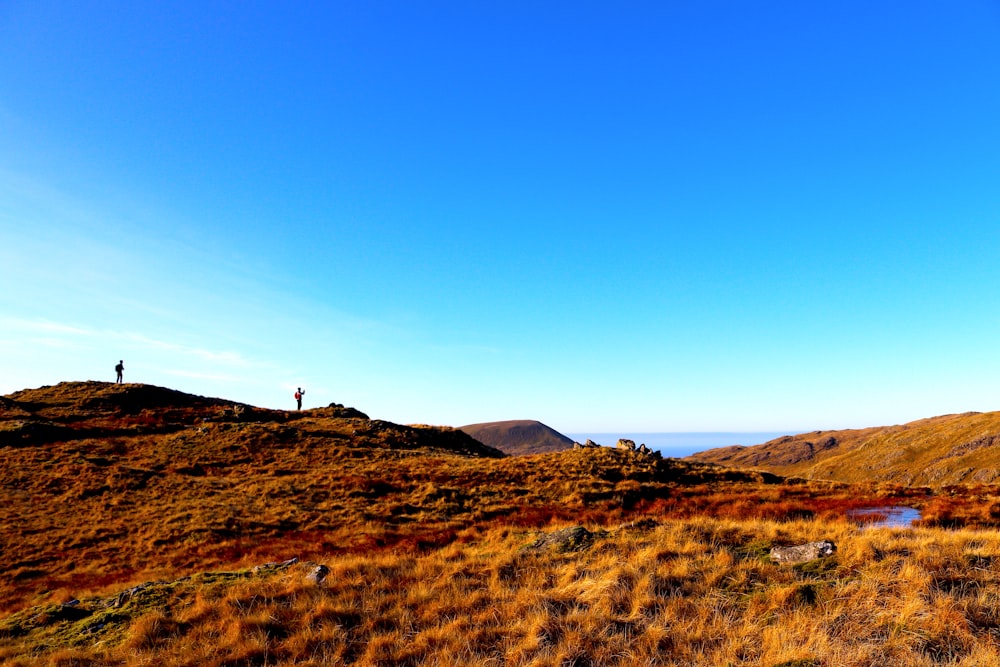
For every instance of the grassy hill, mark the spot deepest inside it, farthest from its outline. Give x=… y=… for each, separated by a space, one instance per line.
x=140 y=525
x=519 y=437
x=945 y=450
x=105 y=484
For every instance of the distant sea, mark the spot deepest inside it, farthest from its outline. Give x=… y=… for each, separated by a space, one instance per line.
x=678 y=445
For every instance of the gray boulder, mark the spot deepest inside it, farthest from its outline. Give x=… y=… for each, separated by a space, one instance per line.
x=803 y=553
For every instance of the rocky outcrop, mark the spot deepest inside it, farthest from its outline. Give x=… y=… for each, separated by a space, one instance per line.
x=590 y=444
x=646 y=451
x=623 y=444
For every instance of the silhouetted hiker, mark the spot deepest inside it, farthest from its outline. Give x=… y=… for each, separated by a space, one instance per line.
x=298 y=398
x=119 y=369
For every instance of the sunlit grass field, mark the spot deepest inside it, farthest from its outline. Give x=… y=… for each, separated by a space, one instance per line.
x=697 y=591
x=134 y=524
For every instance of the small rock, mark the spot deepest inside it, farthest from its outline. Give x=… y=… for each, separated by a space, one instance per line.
x=93 y=629
x=803 y=553
x=318 y=575
x=625 y=443
x=574 y=538
x=122 y=598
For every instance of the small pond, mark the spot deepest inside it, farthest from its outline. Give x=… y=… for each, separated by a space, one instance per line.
x=890 y=516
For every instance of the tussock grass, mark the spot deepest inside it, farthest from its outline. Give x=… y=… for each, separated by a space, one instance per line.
x=142 y=494
x=684 y=592
x=147 y=509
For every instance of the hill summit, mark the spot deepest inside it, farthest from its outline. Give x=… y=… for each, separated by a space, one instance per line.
x=519 y=437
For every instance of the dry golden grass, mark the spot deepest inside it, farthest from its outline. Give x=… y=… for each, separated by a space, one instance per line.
x=683 y=592
x=425 y=534
x=125 y=493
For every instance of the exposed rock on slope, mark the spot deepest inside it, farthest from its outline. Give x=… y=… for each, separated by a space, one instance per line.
x=950 y=449
x=519 y=437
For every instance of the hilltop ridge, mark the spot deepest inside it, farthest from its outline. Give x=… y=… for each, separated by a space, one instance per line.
x=948 y=449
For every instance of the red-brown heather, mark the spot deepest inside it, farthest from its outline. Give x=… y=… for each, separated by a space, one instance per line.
x=146 y=510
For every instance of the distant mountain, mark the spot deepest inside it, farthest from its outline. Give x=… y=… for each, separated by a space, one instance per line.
x=518 y=437
x=950 y=449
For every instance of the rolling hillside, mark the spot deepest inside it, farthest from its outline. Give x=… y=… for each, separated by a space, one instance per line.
x=104 y=484
x=144 y=526
x=950 y=449
x=519 y=437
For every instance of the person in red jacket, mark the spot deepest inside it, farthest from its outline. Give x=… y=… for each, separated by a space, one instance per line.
x=298 y=398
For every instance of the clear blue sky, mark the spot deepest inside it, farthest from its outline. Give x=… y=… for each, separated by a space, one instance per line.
x=640 y=216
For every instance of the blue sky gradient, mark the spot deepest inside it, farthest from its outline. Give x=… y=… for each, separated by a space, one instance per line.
x=711 y=216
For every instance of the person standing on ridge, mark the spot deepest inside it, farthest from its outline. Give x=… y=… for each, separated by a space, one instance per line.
x=119 y=369
x=298 y=398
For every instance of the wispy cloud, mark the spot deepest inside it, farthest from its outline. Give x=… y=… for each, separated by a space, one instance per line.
x=44 y=327
x=61 y=343
x=59 y=334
